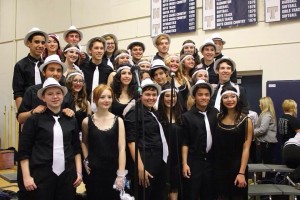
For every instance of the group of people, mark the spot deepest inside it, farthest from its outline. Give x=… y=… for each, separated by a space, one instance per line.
x=82 y=114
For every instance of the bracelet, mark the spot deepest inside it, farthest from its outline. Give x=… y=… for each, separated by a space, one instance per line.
x=241 y=174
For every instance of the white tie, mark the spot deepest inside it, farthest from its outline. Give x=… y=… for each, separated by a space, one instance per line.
x=218 y=98
x=58 y=165
x=208 y=132
x=95 y=84
x=163 y=139
x=109 y=63
x=37 y=75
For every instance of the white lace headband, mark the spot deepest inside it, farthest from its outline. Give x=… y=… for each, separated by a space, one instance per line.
x=123 y=67
x=74 y=74
x=72 y=48
x=185 y=57
x=123 y=54
x=144 y=62
x=188 y=44
x=168 y=90
x=230 y=92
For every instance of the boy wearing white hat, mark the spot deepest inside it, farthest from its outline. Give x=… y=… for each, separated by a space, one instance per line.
x=153 y=148
x=49 y=148
x=219 y=42
x=26 y=70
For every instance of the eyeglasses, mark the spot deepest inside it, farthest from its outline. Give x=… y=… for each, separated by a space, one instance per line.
x=78 y=81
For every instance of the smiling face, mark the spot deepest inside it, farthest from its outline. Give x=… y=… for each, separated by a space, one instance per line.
x=105 y=100
x=163 y=46
x=174 y=64
x=53 y=70
x=77 y=83
x=189 y=49
x=229 y=100
x=167 y=99
x=149 y=97
x=202 y=98
x=97 y=51
x=111 y=46
x=208 y=53
x=201 y=75
x=224 y=71
x=126 y=77
x=137 y=53
x=189 y=63
x=73 y=38
x=53 y=97
x=36 y=46
x=52 y=45
x=160 y=76
x=72 y=55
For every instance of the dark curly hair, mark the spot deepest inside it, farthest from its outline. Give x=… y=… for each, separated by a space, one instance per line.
x=117 y=87
x=195 y=55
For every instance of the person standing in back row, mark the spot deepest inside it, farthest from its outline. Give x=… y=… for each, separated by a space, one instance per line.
x=26 y=71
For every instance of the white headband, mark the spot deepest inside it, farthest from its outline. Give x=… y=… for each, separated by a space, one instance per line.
x=123 y=67
x=198 y=70
x=144 y=62
x=175 y=56
x=72 y=48
x=169 y=90
x=185 y=57
x=230 y=92
x=123 y=54
x=74 y=74
x=188 y=44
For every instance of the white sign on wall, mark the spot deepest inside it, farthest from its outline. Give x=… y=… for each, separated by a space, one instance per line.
x=155 y=17
x=272 y=10
x=208 y=18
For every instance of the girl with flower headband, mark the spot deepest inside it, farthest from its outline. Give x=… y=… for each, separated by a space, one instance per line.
x=174 y=137
x=71 y=57
x=231 y=143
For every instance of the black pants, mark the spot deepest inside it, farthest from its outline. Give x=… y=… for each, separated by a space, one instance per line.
x=53 y=187
x=199 y=185
x=265 y=153
x=154 y=164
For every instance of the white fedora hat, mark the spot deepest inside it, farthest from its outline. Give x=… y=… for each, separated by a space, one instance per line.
x=49 y=83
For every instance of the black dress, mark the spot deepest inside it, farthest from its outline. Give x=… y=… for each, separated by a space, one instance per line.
x=228 y=142
x=103 y=160
x=117 y=108
x=175 y=144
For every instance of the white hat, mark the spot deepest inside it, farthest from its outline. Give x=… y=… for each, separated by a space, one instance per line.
x=207 y=42
x=49 y=83
x=202 y=82
x=148 y=82
x=53 y=59
x=222 y=59
x=136 y=43
x=159 y=35
x=157 y=63
x=99 y=38
x=217 y=36
x=72 y=29
x=33 y=31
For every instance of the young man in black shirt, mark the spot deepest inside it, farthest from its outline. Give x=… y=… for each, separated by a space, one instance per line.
x=152 y=148
x=26 y=72
x=199 y=124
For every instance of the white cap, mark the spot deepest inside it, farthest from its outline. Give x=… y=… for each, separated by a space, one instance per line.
x=53 y=59
x=35 y=30
x=207 y=42
x=148 y=82
x=202 y=82
x=49 y=83
x=72 y=29
x=217 y=36
x=222 y=59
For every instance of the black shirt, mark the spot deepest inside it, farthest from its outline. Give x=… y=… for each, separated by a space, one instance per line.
x=88 y=71
x=213 y=77
x=31 y=101
x=151 y=128
x=36 y=140
x=24 y=75
x=287 y=126
x=157 y=56
x=195 y=130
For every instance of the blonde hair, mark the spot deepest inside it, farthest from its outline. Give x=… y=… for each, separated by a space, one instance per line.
x=160 y=38
x=266 y=104
x=179 y=73
x=289 y=105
